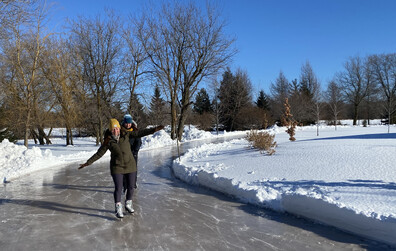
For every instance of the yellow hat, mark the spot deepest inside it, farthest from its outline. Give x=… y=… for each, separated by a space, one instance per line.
x=113 y=124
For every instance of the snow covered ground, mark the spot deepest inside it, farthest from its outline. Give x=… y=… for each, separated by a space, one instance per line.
x=344 y=178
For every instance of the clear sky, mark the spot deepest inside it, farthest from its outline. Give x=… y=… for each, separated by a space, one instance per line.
x=275 y=35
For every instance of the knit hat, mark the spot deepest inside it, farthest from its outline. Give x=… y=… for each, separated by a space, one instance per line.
x=127 y=119
x=113 y=124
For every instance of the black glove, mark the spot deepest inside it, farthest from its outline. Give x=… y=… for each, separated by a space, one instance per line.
x=83 y=165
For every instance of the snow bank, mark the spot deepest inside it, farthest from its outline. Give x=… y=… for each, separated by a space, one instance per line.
x=343 y=178
x=19 y=160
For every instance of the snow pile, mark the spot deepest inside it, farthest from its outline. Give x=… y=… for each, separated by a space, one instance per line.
x=19 y=160
x=158 y=139
x=345 y=178
x=162 y=138
x=192 y=133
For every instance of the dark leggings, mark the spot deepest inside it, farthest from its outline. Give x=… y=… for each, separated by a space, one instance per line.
x=125 y=179
x=118 y=184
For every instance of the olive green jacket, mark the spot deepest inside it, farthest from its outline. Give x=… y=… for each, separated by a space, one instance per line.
x=122 y=160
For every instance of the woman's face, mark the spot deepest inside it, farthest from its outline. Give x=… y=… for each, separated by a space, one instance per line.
x=116 y=131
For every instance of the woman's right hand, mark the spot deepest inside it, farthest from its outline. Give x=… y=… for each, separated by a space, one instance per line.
x=83 y=165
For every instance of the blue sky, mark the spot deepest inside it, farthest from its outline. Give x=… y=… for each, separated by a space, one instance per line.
x=275 y=35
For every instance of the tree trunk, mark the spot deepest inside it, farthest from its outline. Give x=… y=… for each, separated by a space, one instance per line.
x=182 y=120
x=27 y=128
x=185 y=104
x=173 y=117
x=389 y=113
x=335 y=124
x=41 y=135
x=47 y=137
x=100 y=133
x=67 y=137
x=71 y=137
x=99 y=138
x=355 y=114
x=34 y=135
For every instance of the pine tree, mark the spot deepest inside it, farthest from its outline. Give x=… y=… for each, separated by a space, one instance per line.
x=158 y=111
x=262 y=101
x=234 y=94
x=202 y=102
x=137 y=112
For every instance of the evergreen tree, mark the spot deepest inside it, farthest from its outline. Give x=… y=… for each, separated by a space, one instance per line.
x=137 y=112
x=202 y=102
x=280 y=90
x=158 y=111
x=309 y=88
x=234 y=94
x=262 y=101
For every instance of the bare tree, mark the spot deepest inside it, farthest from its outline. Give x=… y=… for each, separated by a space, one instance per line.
x=59 y=73
x=98 y=45
x=384 y=70
x=353 y=84
x=372 y=90
x=15 y=11
x=185 y=45
x=134 y=62
x=317 y=103
x=334 y=100
x=22 y=51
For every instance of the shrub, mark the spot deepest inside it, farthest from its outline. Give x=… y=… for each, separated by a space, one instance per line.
x=288 y=121
x=262 y=141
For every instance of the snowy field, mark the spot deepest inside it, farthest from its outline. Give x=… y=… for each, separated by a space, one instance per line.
x=344 y=178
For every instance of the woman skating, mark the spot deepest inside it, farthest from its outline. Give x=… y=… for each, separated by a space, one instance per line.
x=122 y=162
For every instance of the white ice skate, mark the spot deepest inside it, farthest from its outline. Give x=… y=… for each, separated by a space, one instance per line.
x=118 y=210
x=128 y=206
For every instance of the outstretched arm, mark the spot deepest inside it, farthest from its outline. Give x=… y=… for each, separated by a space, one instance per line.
x=145 y=132
x=101 y=151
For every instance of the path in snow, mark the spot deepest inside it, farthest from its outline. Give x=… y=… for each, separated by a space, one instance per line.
x=67 y=209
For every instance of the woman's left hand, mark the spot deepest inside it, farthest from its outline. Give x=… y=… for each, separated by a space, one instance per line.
x=83 y=165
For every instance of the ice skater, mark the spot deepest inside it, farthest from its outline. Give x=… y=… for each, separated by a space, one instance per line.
x=122 y=162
